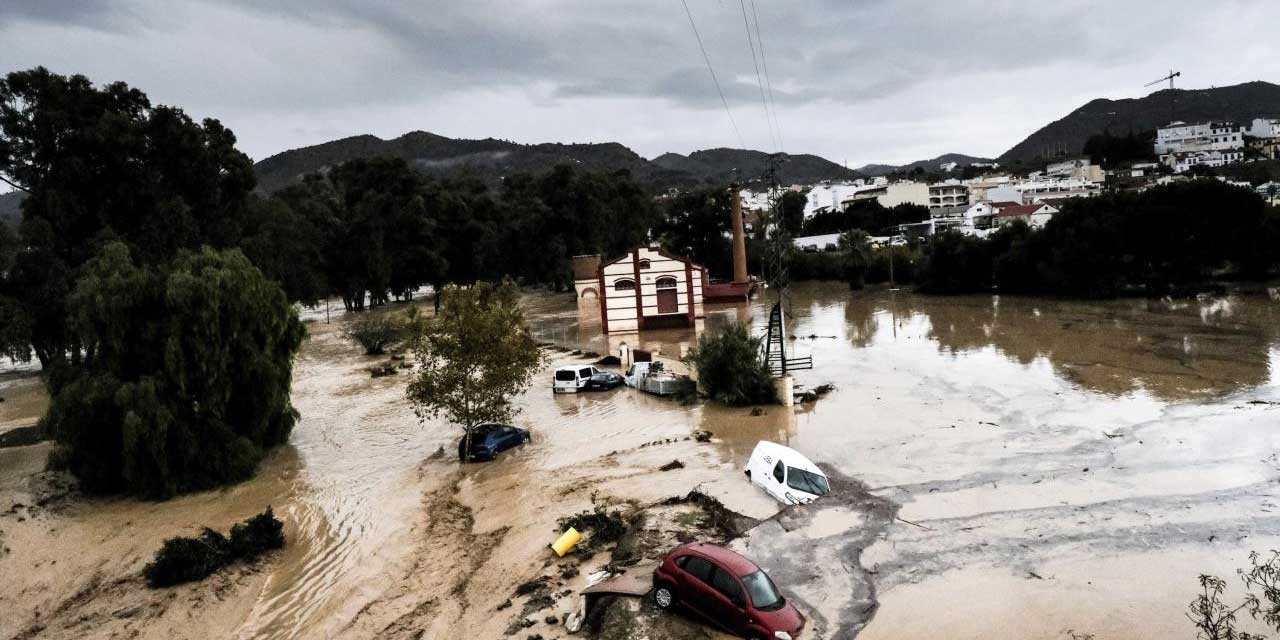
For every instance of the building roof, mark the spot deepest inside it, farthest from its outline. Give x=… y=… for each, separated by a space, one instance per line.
x=1005 y=203
x=1018 y=211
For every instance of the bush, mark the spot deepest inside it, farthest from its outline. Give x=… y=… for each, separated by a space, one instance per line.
x=261 y=533
x=732 y=369
x=183 y=559
x=187 y=559
x=185 y=380
x=376 y=332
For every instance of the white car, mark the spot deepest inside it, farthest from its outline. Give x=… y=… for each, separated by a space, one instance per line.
x=573 y=378
x=786 y=474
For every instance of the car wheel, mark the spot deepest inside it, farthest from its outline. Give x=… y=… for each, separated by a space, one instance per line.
x=664 y=596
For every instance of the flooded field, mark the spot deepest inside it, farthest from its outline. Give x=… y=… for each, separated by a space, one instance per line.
x=1015 y=467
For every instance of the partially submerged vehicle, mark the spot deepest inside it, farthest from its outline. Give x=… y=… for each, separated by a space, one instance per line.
x=786 y=474
x=652 y=377
x=604 y=381
x=727 y=589
x=573 y=378
x=488 y=440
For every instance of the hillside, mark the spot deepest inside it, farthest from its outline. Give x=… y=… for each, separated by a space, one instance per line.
x=722 y=165
x=928 y=165
x=1242 y=103
x=491 y=159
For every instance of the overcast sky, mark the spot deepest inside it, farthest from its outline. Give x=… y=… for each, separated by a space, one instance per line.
x=855 y=81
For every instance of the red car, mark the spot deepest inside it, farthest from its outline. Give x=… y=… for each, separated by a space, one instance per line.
x=727 y=589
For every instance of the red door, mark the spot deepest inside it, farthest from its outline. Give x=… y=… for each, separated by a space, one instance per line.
x=667 y=302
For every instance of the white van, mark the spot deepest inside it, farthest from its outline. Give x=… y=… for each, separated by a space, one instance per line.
x=573 y=378
x=785 y=474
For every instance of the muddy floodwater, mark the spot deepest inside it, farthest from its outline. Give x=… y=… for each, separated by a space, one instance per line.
x=1011 y=467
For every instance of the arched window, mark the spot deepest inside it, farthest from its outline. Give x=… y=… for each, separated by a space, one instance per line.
x=666 y=282
x=624 y=285
x=644 y=263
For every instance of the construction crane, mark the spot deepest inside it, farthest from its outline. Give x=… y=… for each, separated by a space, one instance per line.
x=1172 y=74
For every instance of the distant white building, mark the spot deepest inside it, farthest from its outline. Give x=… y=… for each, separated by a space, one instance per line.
x=951 y=193
x=1265 y=128
x=1180 y=137
x=1036 y=215
x=1082 y=168
x=904 y=192
x=948 y=166
x=1181 y=162
x=1043 y=189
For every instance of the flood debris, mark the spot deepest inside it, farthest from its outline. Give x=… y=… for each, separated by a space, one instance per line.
x=702 y=436
x=815 y=394
x=383 y=370
x=601 y=526
x=671 y=466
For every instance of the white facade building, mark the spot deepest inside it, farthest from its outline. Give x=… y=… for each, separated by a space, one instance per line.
x=1265 y=128
x=646 y=288
x=948 y=194
x=1180 y=137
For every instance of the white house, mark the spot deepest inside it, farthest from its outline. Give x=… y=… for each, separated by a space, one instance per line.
x=1035 y=215
x=1265 y=128
x=647 y=288
x=1180 y=137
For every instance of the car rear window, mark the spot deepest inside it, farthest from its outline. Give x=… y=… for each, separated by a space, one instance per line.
x=565 y=376
x=764 y=596
x=807 y=481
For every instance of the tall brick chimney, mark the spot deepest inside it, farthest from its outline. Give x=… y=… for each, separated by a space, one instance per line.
x=739 y=236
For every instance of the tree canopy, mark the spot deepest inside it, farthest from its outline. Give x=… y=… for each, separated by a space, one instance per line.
x=101 y=164
x=184 y=382
x=473 y=357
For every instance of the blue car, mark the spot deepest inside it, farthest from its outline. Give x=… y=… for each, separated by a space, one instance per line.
x=488 y=440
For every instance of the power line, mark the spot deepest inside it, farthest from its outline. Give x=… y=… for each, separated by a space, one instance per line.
x=759 y=82
x=712 y=71
x=777 y=126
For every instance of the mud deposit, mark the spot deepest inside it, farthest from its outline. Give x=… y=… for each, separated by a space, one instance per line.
x=1004 y=467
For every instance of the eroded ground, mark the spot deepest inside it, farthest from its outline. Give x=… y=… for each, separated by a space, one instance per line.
x=1006 y=467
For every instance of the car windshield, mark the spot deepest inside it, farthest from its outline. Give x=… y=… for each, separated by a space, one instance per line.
x=567 y=376
x=806 y=481
x=764 y=596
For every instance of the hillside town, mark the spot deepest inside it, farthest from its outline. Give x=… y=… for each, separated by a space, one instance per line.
x=979 y=205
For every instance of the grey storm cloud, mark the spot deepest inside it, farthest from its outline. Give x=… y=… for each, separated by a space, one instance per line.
x=288 y=72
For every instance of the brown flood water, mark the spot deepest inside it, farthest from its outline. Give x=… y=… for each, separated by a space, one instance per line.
x=1064 y=467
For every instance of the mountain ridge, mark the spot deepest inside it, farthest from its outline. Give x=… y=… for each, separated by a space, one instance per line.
x=1066 y=136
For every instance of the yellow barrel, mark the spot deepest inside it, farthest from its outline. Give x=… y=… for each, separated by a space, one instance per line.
x=564 y=544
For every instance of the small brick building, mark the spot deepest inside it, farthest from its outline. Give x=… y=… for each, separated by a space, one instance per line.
x=648 y=288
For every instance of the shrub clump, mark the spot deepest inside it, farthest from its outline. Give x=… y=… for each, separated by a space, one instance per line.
x=731 y=367
x=375 y=332
x=185 y=559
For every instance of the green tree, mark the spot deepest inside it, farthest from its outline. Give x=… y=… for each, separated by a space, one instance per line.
x=473 y=357
x=791 y=204
x=855 y=254
x=731 y=367
x=697 y=226
x=185 y=379
x=101 y=163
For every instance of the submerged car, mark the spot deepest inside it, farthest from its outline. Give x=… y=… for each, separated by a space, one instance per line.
x=603 y=381
x=488 y=440
x=786 y=474
x=727 y=589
